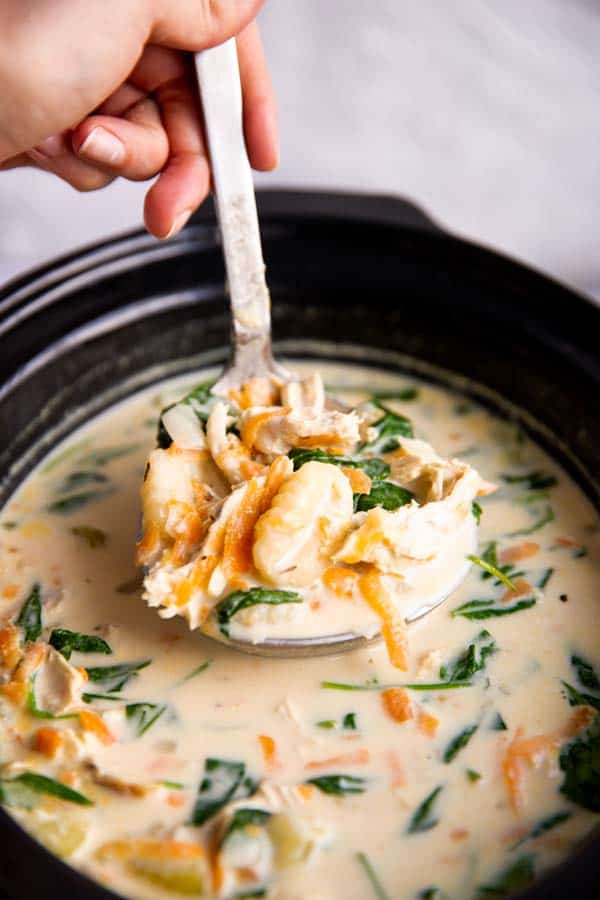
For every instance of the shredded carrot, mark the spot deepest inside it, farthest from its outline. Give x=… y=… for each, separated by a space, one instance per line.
x=16 y=692
x=486 y=487
x=10 y=647
x=92 y=722
x=393 y=627
x=279 y=470
x=176 y=800
x=239 y=534
x=359 y=480
x=183 y=592
x=567 y=542
x=427 y=724
x=306 y=791
x=48 y=741
x=253 y=425
x=237 y=546
x=83 y=672
x=535 y=749
x=329 y=442
x=520 y=551
x=397 y=704
x=522 y=589
x=255 y=392
x=459 y=834
x=398 y=776
x=269 y=751
x=148 y=848
x=10 y=591
x=342 y=582
x=355 y=758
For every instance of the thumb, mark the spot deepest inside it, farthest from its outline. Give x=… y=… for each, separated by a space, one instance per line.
x=198 y=24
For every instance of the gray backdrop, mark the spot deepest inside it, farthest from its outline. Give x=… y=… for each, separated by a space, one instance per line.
x=486 y=112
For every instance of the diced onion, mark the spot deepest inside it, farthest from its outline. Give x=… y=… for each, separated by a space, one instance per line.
x=184 y=428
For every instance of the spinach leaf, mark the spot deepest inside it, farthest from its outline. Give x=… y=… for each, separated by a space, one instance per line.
x=375 y=468
x=197 y=671
x=457 y=743
x=79 y=478
x=498 y=723
x=472 y=661
x=477 y=511
x=545 y=578
x=533 y=481
x=385 y=494
x=238 y=600
x=69 y=504
x=489 y=609
x=389 y=428
x=580 y=761
x=244 y=817
x=576 y=698
x=39 y=784
x=66 y=641
x=223 y=781
x=543 y=826
x=547 y=516
x=89 y=698
x=490 y=557
x=492 y=570
x=410 y=686
x=348 y=723
x=107 y=454
x=518 y=875
x=585 y=672
x=404 y=395
x=422 y=819
x=143 y=715
x=339 y=785
x=114 y=678
x=30 y=617
x=94 y=537
x=378 y=889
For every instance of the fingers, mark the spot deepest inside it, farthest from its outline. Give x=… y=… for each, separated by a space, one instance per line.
x=55 y=155
x=185 y=180
x=197 y=24
x=260 y=118
x=134 y=145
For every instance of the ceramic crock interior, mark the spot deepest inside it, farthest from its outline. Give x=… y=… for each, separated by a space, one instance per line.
x=346 y=273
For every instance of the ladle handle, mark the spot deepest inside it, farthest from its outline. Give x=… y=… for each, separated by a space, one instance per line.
x=220 y=90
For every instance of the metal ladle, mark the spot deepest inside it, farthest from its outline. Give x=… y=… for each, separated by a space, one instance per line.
x=220 y=90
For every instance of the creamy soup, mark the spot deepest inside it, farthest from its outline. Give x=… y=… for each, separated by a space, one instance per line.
x=163 y=763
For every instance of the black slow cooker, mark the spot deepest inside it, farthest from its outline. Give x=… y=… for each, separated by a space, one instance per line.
x=346 y=272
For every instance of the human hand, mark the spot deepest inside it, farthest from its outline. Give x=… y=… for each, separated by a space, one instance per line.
x=93 y=91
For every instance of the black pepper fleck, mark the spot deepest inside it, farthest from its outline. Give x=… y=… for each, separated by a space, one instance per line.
x=563 y=598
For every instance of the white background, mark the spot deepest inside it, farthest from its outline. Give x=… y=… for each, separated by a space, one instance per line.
x=486 y=112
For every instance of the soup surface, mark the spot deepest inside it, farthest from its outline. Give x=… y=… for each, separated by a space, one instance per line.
x=165 y=764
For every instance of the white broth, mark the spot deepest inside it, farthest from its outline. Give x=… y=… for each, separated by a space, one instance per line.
x=369 y=789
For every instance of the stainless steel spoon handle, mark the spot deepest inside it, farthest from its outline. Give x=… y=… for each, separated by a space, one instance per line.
x=221 y=94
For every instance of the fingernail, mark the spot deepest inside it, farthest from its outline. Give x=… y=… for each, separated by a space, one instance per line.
x=49 y=148
x=178 y=223
x=102 y=146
